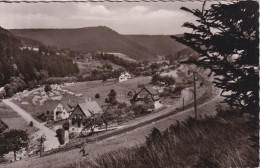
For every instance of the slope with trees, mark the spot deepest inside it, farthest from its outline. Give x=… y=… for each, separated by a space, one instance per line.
x=24 y=68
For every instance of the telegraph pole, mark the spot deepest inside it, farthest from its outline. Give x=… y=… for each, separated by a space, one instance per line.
x=183 y=104
x=195 y=100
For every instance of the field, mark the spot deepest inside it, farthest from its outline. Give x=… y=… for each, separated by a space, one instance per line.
x=86 y=90
x=13 y=120
x=128 y=139
x=91 y=88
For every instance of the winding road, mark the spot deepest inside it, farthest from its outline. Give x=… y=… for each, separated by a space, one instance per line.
x=51 y=141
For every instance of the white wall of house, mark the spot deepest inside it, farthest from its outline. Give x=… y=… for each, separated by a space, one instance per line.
x=124 y=77
x=60 y=113
x=157 y=104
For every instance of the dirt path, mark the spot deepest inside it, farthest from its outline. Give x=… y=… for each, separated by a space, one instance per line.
x=51 y=140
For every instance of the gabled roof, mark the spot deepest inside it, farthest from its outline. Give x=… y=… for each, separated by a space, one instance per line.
x=53 y=105
x=66 y=106
x=149 y=89
x=90 y=107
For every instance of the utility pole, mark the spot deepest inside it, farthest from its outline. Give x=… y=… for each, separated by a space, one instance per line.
x=183 y=104
x=195 y=100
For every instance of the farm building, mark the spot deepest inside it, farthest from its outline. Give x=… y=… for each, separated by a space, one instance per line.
x=124 y=77
x=61 y=112
x=81 y=112
x=147 y=95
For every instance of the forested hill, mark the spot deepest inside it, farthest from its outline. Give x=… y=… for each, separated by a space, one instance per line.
x=101 y=38
x=90 y=39
x=27 y=64
x=160 y=44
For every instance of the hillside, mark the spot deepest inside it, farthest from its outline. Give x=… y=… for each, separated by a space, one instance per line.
x=89 y=39
x=160 y=44
x=8 y=39
x=23 y=65
x=92 y=39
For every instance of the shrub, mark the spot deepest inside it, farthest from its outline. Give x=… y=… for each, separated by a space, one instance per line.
x=47 y=88
x=66 y=125
x=154 y=137
x=60 y=135
x=97 y=96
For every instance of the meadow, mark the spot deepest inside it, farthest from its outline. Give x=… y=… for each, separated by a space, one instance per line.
x=221 y=141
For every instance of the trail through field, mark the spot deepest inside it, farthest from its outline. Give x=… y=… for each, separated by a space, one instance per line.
x=51 y=141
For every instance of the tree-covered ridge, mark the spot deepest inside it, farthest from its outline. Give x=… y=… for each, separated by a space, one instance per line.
x=18 y=63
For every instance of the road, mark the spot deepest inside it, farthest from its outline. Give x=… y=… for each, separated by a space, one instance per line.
x=51 y=141
x=205 y=98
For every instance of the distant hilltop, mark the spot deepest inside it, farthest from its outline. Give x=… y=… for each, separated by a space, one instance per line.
x=104 y=39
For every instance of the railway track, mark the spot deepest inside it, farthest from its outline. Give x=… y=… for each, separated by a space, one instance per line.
x=207 y=95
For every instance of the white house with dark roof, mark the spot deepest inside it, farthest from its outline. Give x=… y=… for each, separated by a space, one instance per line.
x=124 y=77
x=81 y=112
x=61 y=112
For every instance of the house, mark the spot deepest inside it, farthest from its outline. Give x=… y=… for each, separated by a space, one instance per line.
x=61 y=112
x=2 y=93
x=147 y=95
x=124 y=77
x=81 y=112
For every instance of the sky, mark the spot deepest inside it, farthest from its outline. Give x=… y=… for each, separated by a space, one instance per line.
x=123 y=17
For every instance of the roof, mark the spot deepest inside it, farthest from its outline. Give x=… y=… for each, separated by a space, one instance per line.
x=53 y=104
x=90 y=107
x=66 y=106
x=149 y=89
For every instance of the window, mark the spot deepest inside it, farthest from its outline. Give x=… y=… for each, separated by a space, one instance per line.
x=58 y=108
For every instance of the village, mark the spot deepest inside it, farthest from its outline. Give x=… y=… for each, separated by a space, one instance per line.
x=70 y=111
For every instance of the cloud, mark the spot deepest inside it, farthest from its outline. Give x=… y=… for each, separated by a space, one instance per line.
x=132 y=19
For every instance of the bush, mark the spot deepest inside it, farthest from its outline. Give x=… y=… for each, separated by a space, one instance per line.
x=60 y=135
x=66 y=125
x=97 y=96
x=47 y=88
x=154 y=137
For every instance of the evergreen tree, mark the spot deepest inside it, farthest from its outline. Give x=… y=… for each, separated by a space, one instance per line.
x=227 y=39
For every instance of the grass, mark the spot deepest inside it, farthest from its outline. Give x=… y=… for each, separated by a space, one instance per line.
x=221 y=141
x=90 y=88
x=6 y=112
x=87 y=89
x=122 y=141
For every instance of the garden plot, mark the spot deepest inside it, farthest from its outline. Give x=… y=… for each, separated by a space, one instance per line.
x=57 y=93
x=38 y=101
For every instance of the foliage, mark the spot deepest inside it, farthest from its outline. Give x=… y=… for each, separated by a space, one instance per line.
x=227 y=39
x=128 y=65
x=111 y=97
x=210 y=142
x=97 y=96
x=66 y=125
x=140 y=109
x=178 y=89
x=60 y=133
x=154 y=137
x=166 y=79
x=28 y=65
x=47 y=88
x=3 y=127
x=13 y=140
